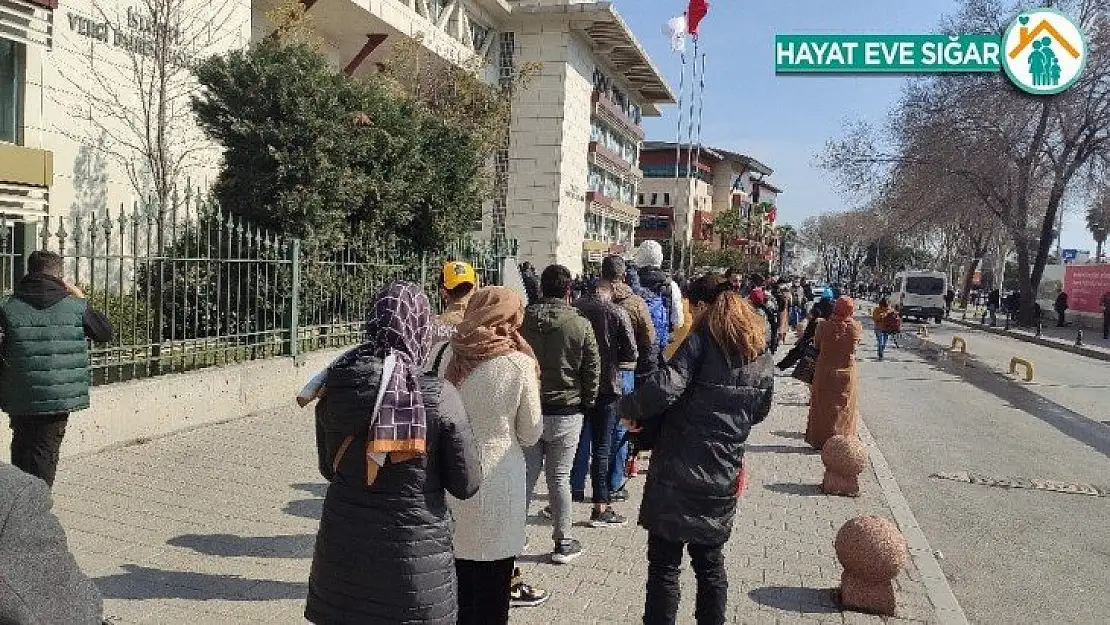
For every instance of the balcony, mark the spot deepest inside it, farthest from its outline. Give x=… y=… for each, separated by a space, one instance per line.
x=598 y=203
x=612 y=114
x=606 y=158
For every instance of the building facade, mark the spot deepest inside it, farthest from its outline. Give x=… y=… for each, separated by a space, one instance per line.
x=711 y=182
x=75 y=78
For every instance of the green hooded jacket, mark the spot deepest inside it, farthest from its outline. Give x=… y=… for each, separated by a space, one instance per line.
x=570 y=362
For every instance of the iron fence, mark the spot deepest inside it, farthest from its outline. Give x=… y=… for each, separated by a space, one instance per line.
x=193 y=287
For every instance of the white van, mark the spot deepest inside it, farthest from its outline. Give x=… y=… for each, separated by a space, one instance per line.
x=921 y=294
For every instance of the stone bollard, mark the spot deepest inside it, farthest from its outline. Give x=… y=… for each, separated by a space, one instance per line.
x=844 y=458
x=872 y=552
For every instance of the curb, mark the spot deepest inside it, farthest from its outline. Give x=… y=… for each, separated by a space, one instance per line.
x=940 y=593
x=1043 y=342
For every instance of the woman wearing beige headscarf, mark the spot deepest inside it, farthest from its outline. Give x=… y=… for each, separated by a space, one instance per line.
x=497 y=376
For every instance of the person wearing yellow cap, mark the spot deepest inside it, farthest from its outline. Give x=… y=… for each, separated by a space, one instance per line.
x=457 y=283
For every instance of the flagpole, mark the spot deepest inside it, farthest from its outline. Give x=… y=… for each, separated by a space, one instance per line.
x=694 y=76
x=677 y=159
x=701 y=108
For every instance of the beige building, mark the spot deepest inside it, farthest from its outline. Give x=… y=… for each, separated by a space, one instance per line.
x=718 y=181
x=71 y=133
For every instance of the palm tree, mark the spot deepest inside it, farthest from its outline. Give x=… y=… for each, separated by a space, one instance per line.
x=1098 y=221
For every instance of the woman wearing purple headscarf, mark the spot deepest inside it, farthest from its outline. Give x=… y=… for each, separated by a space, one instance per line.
x=392 y=442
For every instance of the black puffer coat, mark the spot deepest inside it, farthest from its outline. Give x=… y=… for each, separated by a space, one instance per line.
x=384 y=552
x=707 y=409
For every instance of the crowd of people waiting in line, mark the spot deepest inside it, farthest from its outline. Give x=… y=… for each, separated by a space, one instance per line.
x=433 y=434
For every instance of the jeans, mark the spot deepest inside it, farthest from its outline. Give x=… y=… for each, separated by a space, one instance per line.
x=555 y=454
x=583 y=456
x=663 y=590
x=993 y=311
x=603 y=427
x=484 y=591
x=1061 y=319
x=36 y=443
x=881 y=338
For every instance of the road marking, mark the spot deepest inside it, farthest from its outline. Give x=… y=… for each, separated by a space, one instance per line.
x=1072 y=488
x=940 y=593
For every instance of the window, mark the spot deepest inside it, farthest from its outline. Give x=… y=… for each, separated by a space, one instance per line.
x=925 y=286
x=479 y=35
x=654 y=199
x=11 y=90
x=597 y=131
x=596 y=180
x=612 y=189
x=640 y=200
x=666 y=199
x=626 y=191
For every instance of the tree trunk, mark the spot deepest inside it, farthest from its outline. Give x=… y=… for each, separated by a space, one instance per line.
x=1027 y=314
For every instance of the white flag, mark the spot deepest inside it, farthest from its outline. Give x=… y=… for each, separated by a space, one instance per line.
x=676 y=30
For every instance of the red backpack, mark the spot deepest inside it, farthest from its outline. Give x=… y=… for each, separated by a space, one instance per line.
x=893 y=322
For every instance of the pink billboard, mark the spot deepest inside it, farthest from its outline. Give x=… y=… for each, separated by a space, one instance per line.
x=1085 y=286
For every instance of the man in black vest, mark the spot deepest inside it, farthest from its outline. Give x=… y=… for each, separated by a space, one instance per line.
x=44 y=361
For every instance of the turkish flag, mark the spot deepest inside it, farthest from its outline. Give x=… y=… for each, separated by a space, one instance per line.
x=695 y=13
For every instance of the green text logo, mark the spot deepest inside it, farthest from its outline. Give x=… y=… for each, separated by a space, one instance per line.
x=1043 y=52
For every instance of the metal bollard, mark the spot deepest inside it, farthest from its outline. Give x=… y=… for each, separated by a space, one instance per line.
x=1027 y=364
x=1079 y=338
x=1040 y=327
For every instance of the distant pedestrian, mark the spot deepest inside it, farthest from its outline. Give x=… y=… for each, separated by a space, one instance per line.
x=389 y=462
x=496 y=373
x=1061 y=308
x=702 y=405
x=570 y=369
x=1106 y=316
x=833 y=404
x=44 y=361
x=881 y=317
x=949 y=298
x=994 y=302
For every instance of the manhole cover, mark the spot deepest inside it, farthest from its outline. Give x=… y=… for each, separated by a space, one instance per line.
x=1025 y=483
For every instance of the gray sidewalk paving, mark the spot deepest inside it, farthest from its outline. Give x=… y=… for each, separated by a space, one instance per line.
x=216 y=525
x=1094 y=346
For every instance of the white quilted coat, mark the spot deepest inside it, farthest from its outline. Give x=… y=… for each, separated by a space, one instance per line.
x=502 y=399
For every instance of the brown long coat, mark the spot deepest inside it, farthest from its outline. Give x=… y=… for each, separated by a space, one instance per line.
x=833 y=403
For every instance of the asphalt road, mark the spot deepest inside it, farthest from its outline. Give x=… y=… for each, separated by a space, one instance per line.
x=1011 y=555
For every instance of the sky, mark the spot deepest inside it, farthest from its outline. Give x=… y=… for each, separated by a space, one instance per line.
x=784 y=121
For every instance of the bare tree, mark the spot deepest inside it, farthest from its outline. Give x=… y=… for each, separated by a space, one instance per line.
x=133 y=81
x=1020 y=155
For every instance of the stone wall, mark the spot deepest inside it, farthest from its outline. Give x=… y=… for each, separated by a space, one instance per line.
x=134 y=411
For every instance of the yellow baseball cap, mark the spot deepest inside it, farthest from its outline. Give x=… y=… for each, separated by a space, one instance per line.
x=457 y=273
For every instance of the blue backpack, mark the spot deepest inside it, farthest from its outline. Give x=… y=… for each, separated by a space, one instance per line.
x=658 y=305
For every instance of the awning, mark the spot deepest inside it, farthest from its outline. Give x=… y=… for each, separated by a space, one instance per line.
x=612 y=40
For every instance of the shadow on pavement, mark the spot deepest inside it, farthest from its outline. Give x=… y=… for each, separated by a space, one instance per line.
x=230 y=546
x=139 y=582
x=797 y=599
x=305 y=508
x=1067 y=422
x=802 y=490
x=780 y=449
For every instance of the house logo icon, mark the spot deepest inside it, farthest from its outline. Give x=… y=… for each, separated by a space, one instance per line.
x=1045 y=52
